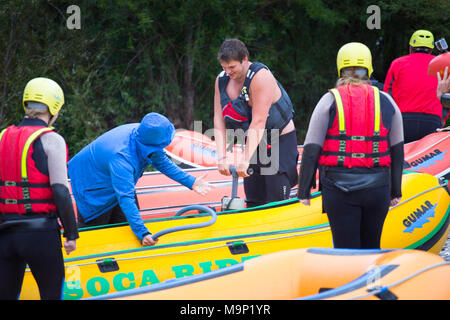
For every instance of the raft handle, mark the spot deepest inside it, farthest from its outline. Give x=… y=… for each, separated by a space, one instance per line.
x=191 y=226
x=107 y=265
x=237 y=247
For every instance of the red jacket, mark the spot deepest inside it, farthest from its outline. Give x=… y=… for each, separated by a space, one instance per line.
x=357 y=137
x=411 y=87
x=24 y=189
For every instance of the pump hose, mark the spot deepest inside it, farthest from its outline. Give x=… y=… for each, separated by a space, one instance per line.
x=191 y=226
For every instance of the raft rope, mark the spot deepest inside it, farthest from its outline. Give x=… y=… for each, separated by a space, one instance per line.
x=383 y=289
x=443 y=129
x=437 y=142
x=244 y=242
x=323 y=229
x=441 y=184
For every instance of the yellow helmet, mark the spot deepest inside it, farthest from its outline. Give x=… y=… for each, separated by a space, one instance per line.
x=354 y=54
x=46 y=91
x=422 y=38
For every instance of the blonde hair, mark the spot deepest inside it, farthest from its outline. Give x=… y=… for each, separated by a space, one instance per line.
x=35 y=109
x=354 y=81
x=33 y=113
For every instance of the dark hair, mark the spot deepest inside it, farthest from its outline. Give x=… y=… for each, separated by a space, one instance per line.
x=232 y=49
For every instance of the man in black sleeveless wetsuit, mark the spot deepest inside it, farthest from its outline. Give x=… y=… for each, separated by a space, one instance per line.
x=249 y=99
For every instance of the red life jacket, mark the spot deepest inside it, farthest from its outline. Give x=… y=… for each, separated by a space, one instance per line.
x=23 y=188
x=357 y=137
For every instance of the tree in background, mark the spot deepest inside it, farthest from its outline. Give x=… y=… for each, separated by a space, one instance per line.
x=133 y=57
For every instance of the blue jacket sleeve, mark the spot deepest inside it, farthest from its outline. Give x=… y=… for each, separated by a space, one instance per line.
x=161 y=162
x=122 y=180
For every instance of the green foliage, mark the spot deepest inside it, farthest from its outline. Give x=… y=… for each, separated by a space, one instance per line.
x=131 y=57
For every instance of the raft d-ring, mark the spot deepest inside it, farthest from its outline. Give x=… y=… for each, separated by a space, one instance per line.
x=191 y=226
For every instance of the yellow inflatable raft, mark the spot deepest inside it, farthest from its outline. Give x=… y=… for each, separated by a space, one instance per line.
x=110 y=258
x=315 y=273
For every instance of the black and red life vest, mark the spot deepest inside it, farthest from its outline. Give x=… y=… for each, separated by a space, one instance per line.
x=238 y=114
x=357 y=137
x=23 y=188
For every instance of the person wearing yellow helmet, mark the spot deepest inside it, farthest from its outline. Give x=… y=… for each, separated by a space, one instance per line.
x=355 y=139
x=414 y=90
x=354 y=57
x=421 y=41
x=34 y=194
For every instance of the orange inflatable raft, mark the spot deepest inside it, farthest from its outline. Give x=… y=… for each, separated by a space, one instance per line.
x=431 y=154
x=313 y=274
x=160 y=196
x=438 y=64
x=158 y=193
x=192 y=149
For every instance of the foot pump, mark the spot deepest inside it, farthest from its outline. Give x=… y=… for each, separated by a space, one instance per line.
x=234 y=203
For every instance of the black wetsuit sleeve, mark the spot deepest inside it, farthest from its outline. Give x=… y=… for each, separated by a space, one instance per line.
x=64 y=208
x=308 y=168
x=397 y=159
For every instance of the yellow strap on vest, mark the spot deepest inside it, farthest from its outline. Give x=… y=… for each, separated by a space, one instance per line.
x=376 y=95
x=341 y=118
x=377 y=124
x=340 y=109
x=1 y=134
x=28 y=143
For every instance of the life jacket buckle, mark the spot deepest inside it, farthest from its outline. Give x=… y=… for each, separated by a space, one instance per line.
x=358 y=155
x=244 y=93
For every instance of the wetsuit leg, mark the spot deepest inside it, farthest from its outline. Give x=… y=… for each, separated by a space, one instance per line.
x=117 y=215
x=260 y=190
x=344 y=217
x=99 y=221
x=277 y=188
x=41 y=250
x=375 y=209
x=356 y=219
x=263 y=188
x=46 y=263
x=255 y=189
x=12 y=268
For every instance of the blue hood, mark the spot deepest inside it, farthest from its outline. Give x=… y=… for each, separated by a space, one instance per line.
x=154 y=131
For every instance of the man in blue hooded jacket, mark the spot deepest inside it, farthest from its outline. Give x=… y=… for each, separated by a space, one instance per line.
x=104 y=173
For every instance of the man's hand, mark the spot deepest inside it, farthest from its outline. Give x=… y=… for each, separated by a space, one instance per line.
x=148 y=241
x=201 y=186
x=395 y=201
x=242 y=169
x=224 y=167
x=306 y=202
x=69 y=246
